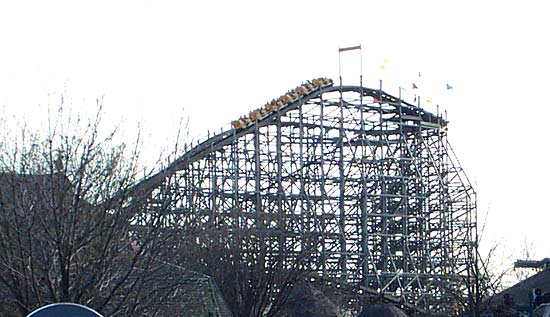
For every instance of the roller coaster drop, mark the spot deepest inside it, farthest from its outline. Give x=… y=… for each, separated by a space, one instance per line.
x=371 y=177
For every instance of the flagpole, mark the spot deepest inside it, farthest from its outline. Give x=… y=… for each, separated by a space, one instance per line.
x=361 y=65
x=340 y=67
x=399 y=96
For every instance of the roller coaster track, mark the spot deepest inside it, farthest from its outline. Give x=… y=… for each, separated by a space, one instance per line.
x=369 y=176
x=227 y=137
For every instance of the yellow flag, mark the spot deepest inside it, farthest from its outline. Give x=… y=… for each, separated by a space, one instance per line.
x=384 y=65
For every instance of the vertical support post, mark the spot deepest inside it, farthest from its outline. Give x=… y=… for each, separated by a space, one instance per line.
x=236 y=210
x=382 y=183
x=304 y=202
x=214 y=187
x=281 y=212
x=257 y=180
x=319 y=220
x=341 y=202
x=363 y=223
x=403 y=165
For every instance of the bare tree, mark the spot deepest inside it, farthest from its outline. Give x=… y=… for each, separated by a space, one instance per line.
x=485 y=275
x=483 y=281
x=254 y=278
x=74 y=229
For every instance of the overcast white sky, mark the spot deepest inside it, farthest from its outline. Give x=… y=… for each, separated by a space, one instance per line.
x=217 y=60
